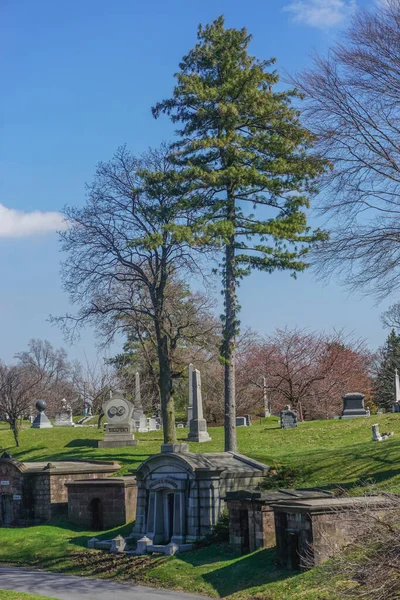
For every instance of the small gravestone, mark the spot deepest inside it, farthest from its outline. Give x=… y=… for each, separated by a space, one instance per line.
x=118 y=429
x=41 y=421
x=64 y=416
x=376 y=436
x=241 y=422
x=143 y=424
x=151 y=424
x=248 y=420
x=288 y=418
x=353 y=406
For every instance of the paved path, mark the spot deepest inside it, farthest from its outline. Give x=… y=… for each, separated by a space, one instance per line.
x=68 y=587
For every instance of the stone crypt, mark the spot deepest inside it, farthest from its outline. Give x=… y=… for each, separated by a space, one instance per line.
x=181 y=495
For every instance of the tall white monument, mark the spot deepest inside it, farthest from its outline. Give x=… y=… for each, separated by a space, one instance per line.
x=198 y=425
x=190 y=404
x=396 y=404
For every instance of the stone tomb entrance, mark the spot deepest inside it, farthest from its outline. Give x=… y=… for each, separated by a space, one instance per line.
x=181 y=496
x=102 y=503
x=251 y=517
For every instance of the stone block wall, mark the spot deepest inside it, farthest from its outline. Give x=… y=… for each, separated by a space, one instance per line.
x=251 y=525
x=11 y=486
x=117 y=502
x=59 y=492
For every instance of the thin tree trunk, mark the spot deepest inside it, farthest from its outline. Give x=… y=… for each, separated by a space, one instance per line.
x=230 y=343
x=14 y=428
x=167 y=399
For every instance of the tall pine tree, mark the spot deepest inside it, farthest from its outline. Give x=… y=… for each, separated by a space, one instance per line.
x=241 y=147
x=390 y=360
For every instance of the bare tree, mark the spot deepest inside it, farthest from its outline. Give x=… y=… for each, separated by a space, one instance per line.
x=52 y=367
x=311 y=368
x=123 y=249
x=18 y=385
x=353 y=106
x=92 y=381
x=193 y=334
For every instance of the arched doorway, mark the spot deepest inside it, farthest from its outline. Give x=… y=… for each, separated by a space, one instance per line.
x=96 y=511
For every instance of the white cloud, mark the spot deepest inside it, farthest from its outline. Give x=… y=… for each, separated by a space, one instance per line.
x=321 y=13
x=16 y=223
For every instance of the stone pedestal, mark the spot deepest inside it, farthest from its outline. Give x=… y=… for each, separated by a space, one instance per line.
x=353 y=406
x=396 y=408
x=117 y=436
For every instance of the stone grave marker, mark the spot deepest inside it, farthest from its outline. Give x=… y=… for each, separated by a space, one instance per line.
x=198 y=425
x=138 y=412
x=118 y=429
x=241 y=422
x=353 y=406
x=41 y=421
x=152 y=424
x=288 y=418
x=396 y=404
x=64 y=416
x=190 y=403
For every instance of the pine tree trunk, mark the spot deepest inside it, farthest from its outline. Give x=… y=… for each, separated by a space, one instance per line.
x=230 y=343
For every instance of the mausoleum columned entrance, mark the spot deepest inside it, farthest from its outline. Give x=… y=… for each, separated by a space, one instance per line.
x=181 y=496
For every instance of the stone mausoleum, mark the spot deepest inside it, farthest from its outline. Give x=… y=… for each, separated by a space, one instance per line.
x=251 y=517
x=310 y=531
x=102 y=503
x=32 y=492
x=181 y=495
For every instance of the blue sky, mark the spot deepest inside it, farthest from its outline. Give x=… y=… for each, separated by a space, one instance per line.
x=78 y=79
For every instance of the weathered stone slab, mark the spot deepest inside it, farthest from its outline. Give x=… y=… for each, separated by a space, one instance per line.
x=288 y=418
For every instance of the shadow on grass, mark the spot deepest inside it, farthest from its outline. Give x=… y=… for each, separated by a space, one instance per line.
x=81 y=443
x=248 y=571
x=82 y=540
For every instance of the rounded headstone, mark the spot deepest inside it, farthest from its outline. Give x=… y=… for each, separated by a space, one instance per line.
x=41 y=405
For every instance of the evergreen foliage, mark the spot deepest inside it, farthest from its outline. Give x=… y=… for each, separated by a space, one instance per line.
x=241 y=147
x=389 y=361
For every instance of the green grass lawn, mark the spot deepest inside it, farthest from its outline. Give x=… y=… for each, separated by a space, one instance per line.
x=329 y=454
x=319 y=453
x=6 y=595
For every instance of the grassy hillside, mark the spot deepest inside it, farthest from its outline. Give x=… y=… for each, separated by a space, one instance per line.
x=320 y=453
x=329 y=454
